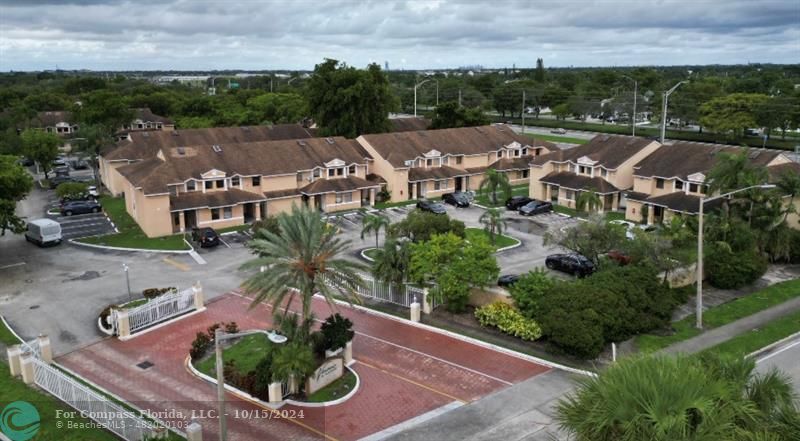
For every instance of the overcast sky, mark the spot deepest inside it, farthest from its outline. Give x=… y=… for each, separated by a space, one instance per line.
x=292 y=34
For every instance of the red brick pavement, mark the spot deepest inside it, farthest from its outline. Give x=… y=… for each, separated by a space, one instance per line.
x=405 y=371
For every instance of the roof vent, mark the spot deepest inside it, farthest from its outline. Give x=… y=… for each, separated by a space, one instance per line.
x=181 y=151
x=217 y=148
x=329 y=140
x=175 y=133
x=480 y=130
x=302 y=143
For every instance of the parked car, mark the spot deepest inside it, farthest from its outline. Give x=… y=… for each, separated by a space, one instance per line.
x=559 y=131
x=61 y=170
x=574 y=264
x=629 y=226
x=535 y=207
x=58 y=162
x=458 y=199
x=79 y=164
x=205 y=236
x=507 y=280
x=619 y=256
x=80 y=207
x=25 y=162
x=514 y=202
x=58 y=180
x=431 y=207
x=43 y=232
x=92 y=190
x=86 y=197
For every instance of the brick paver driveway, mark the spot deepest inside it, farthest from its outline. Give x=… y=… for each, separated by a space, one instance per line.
x=405 y=371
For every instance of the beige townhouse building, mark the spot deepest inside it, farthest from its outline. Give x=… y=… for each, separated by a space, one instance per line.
x=138 y=146
x=671 y=180
x=224 y=185
x=603 y=165
x=429 y=163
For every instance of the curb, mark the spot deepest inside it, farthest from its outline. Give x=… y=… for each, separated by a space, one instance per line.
x=274 y=406
x=364 y=254
x=510 y=247
x=140 y=250
x=772 y=345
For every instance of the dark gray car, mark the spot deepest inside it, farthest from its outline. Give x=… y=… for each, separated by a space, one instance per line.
x=80 y=207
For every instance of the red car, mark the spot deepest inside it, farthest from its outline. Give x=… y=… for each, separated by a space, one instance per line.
x=620 y=257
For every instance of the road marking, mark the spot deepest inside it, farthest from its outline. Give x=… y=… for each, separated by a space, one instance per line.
x=408 y=380
x=785 y=348
x=226 y=243
x=12 y=265
x=197 y=258
x=176 y=264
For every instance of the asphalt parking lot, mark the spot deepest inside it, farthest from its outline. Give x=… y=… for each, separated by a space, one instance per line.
x=80 y=225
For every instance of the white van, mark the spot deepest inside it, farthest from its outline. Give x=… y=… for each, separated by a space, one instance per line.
x=43 y=232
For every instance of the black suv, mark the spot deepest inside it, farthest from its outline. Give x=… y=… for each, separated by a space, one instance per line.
x=205 y=236
x=535 y=207
x=431 y=207
x=80 y=207
x=514 y=202
x=55 y=181
x=458 y=199
x=574 y=264
x=507 y=280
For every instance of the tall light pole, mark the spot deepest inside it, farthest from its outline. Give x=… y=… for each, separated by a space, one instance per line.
x=664 y=111
x=703 y=201
x=127 y=280
x=418 y=85
x=219 y=337
x=523 y=111
x=635 y=92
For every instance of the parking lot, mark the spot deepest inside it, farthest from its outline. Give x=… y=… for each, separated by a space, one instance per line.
x=80 y=225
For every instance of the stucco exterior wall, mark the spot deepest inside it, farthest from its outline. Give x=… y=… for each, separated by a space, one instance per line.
x=633 y=211
x=204 y=217
x=284 y=205
x=150 y=212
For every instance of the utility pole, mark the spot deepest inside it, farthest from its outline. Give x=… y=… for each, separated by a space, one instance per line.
x=523 y=111
x=664 y=111
x=459 y=97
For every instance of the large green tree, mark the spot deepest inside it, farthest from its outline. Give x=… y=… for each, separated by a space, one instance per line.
x=392 y=262
x=493 y=182
x=346 y=101
x=301 y=262
x=374 y=223
x=15 y=183
x=732 y=113
x=278 y=108
x=592 y=238
x=449 y=115
x=106 y=108
x=41 y=147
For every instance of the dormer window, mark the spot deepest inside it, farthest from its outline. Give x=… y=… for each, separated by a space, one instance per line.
x=500 y=154
x=352 y=170
x=316 y=173
x=220 y=183
x=209 y=185
x=331 y=172
x=429 y=162
x=190 y=185
x=678 y=184
x=235 y=181
x=659 y=183
x=525 y=151
x=516 y=153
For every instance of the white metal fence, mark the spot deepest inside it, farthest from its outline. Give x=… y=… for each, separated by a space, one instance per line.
x=385 y=292
x=123 y=422
x=32 y=347
x=157 y=310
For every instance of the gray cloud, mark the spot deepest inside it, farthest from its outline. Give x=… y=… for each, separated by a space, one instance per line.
x=183 y=34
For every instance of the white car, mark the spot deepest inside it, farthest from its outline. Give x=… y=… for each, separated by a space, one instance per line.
x=93 y=191
x=558 y=131
x=629 y=226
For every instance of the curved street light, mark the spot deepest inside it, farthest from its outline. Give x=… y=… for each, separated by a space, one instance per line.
x=664 y=112
x=416 y=86
x=633 y=118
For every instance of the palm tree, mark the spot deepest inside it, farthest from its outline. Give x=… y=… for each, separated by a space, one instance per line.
x=664 y=398
x=301 y=261
x=492 y=182
x=588 y=201
x=391 y=263
x=292 y=362
x=493 y=223
x=374 y=223
x=735 y=171
x=789 y=184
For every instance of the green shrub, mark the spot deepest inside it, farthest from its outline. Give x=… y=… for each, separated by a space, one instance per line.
x=263 y=376
x=200 y=345
x=337 y=331
x=509 y=320
x=579 y=333
x=151 y=293
x=528 y=291
x=269 y=223
x=419 y=226
x=731 y=270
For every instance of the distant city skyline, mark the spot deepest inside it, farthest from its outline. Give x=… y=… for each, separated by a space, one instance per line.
x=412 y=35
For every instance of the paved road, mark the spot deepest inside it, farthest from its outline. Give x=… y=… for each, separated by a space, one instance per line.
x=784 y=357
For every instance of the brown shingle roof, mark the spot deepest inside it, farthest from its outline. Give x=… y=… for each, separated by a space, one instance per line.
x=197 y=199
x=579 y=182
x=506 y=164
x=679 y=201
x=349 y=183
x=146 y=144
x=608 y=151
x=145 y=114
x=265 y=158
x=409 y=124
x=682 y=159
x=277 y=194
x=400 y=147
x=776 y=171
x=423 y=174
x=51 y=118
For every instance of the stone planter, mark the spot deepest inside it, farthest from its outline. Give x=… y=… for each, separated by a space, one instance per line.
x=331 y=354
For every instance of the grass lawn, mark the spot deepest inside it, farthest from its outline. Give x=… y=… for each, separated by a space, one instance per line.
x=242 y=227
x=557 y=138
x=723 y=314
x=609 y=215
x=483 y=198
x=130 y=235
x=335 y=390
x=371 y=253
x=384 y=205
x=748 y=342
x=246 y=353
x=502 y=240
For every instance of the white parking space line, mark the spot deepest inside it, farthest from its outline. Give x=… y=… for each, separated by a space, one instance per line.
x=783 y=349
x=12 y=265
x=197 y=258
x=225 y=243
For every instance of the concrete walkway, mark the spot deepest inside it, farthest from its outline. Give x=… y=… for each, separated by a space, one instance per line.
x=719 y=335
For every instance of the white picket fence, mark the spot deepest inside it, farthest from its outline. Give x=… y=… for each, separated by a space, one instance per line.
x=385 y=292
x=125 y=423
x=32 y=347
x=162 y=308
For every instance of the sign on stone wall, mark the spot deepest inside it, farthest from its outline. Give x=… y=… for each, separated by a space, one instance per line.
x=330 y=371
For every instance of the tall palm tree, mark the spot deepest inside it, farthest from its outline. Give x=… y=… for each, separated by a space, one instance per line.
x=789 y=184
x=588 y=201
x=391 y=263
x=732 y=172
x=493 y=181
x=664 y=398
x=374 y=223
x=493 y=223
x=302 y=257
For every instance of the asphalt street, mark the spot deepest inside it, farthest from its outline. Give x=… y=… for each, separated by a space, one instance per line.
x=785 y=357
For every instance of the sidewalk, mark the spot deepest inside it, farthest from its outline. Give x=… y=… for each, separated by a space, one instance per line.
x=719 y=335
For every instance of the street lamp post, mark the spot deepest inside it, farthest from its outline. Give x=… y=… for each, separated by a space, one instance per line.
x=635 y=92
x=219 y=337
x=418 y=85
x=703 y=201
x=127 y=280
x=664 y=111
